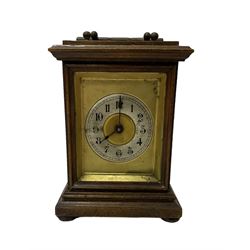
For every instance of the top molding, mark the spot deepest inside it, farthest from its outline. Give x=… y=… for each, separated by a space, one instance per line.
x=121 y=50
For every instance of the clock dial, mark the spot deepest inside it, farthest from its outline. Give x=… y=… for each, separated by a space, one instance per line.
x=119 y=127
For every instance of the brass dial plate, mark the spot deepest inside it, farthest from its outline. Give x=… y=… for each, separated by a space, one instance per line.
x=90 y=87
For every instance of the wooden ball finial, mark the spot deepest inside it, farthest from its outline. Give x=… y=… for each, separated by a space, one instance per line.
x=154 y=36
x=147 y=36
x=94 y=35
x=86 y=35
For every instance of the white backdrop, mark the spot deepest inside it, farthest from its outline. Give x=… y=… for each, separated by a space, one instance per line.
x=211 y=158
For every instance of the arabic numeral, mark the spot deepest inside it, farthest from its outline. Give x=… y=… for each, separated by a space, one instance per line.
x=130 y=151
x=139 y=142
x=118 y=153
x=119 y=104
x=99 y=116
x=106 y=148
x=142 y=129
x=98 y=140
x=95 y=129
x=140 y=117
x=132 y=108
x=107 y=107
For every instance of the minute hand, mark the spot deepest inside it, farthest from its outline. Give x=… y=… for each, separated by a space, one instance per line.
x=120 y=107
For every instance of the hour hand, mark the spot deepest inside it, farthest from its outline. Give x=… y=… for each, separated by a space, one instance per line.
x=107 y=136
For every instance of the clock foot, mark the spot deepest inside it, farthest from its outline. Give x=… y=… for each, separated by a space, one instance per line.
x=66 y=218
x=171 y=220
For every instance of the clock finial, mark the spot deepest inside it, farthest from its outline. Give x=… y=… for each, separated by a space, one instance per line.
x=154 y=36
x=94 y=35
x=147 y=36
x=86 y=35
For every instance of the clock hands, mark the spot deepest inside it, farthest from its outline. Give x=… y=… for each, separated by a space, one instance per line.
x=118 y=128
x=120 y=103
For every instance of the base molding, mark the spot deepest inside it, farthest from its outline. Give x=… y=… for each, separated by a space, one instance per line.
x=79 y=204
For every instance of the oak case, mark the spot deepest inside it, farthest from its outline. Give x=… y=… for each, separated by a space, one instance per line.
x=133 y=197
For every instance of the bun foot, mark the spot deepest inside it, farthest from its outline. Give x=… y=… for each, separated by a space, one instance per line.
x=171 y=220
x=66 y=218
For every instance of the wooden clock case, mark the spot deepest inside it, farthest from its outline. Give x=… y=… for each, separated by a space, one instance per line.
x=119 y=199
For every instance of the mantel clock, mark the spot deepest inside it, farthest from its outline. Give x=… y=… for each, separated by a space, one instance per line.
x=119 y=107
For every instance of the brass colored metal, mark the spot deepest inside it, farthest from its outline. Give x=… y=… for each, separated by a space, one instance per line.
x=118 y=177
x=127 y=134
x=93 y=86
